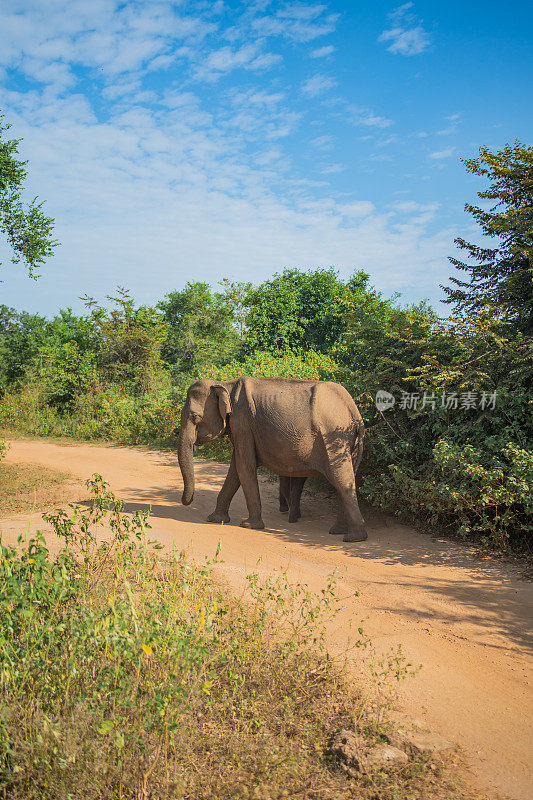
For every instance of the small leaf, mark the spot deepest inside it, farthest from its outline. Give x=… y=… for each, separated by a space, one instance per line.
x=105 y=727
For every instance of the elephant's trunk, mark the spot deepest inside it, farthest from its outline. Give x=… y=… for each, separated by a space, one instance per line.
x=186 y=460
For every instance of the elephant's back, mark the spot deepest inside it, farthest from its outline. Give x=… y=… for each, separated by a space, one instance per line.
x=284 y=402
x=333 y=405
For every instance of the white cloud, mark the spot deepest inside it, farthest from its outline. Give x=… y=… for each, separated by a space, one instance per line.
x=379 y=157
x=323 y=142
x=366 y=118
x=388 y=141
x=224 y=60
x=150 y=205
x=298 y=22
x=454 y=120
x=407 y=36
x=255 y=97
x=359 y=209
x=317 y=84
x=322 y=52
x=410 y=206
x=333 y=169
x=440 y=154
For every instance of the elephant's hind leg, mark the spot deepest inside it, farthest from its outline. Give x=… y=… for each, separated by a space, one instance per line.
x=352 y=525
x=340 y=526
x=284 y=493
x=297 y=485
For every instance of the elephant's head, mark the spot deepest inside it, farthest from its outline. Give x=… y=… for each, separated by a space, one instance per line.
x=203 y=419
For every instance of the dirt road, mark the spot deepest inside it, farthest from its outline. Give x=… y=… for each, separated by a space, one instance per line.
x=467 y=621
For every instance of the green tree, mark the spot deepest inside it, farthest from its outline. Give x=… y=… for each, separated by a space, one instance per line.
x=236 y=294
x=130 y=341
x=500 y=278
x=66 y=358
x=296 y=310
x=21 y=334
x=27 y=228
x=201 y=327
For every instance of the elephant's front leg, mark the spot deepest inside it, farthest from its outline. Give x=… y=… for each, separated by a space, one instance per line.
x=226 y=494
x=246 y=463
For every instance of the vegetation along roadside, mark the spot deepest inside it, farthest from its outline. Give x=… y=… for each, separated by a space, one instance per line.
x=128 y=673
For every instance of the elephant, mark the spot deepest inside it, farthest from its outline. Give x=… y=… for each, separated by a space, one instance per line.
x=295 y=428
x=290 y=492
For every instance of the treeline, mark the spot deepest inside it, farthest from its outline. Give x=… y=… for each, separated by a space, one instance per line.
x=455 y=448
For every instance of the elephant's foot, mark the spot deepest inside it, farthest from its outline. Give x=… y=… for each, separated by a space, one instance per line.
x=256 y=524
x=283 y=506
x=217 y=517
x=294 y=516
x=339 y=529
x=358 y=534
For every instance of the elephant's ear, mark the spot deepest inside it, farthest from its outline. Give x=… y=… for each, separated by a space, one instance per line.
x=224 y=402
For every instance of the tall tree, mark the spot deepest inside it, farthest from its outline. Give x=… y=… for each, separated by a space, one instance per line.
x=236 y=294
x=27 y=228
x=501 y=277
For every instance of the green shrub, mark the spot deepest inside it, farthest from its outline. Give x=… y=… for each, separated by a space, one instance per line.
x=473 y=492
x=310 y=365
x=109 y=413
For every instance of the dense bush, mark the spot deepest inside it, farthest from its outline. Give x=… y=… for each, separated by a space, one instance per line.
x=309 y=365
x=436 y=368
x=106 y=413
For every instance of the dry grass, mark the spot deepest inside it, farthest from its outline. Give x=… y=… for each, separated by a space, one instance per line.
x=27 y=486
x=127 y=675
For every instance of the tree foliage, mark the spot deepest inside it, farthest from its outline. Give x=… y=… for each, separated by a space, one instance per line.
x=296 y=310
x=130 y=341
x=500 y=278
x=27 y=228
x=201 y=327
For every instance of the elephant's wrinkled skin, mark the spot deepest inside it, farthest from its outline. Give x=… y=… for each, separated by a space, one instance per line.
x=294 y=428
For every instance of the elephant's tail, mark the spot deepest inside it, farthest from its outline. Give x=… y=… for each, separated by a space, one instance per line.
x=357 y=449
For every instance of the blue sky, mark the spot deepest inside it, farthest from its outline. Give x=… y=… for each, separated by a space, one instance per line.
x=198 y=140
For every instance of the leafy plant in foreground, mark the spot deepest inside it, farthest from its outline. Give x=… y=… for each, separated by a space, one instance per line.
x=125 y=674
